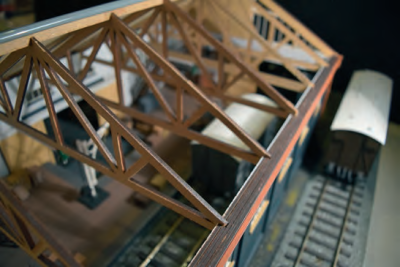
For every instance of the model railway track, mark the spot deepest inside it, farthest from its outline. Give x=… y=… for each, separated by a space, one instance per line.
x=173 y=243
x=324 y=236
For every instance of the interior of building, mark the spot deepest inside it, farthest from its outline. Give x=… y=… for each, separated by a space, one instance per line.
x=198 y=133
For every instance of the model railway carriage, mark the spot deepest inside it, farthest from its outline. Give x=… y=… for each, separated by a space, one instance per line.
x=360 y=125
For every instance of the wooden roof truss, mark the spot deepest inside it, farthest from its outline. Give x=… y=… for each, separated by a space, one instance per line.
x=148 y=30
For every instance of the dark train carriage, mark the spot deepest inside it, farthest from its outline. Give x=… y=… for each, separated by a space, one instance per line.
x=360 y=125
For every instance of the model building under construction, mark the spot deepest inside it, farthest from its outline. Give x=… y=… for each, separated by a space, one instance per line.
x=155 y=133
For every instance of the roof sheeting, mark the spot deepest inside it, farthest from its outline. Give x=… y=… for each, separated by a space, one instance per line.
x=365 y=105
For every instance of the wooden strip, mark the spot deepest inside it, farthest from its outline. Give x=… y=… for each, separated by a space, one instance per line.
x=200 y=16
x=116 y=51
x=49 y=103
x=157 y=32
x=93 y=54
x=191 y=48
x=299 y=27
x=284 y=41
x=70 y=63
x=149 y=22
x=171 y=204
x=39 y=248
x=136 y=167
x=164 y=25
x=6 y=98
x=179 y=104
x=258 y=59
x=221 y=71
x=195 y=116
x=11 y=60
x=270 y=109
x=23 y=84
x=76 y=38
x=236 y=78
x=119 y=155
x=150 y=82
x=134 y=16
x=82 y=119
x=283 y=82
x=58 y=41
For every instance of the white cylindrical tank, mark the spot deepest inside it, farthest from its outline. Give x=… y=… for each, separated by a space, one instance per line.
x=251 y=120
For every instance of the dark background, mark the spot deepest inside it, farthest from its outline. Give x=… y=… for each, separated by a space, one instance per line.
x=364 y=31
